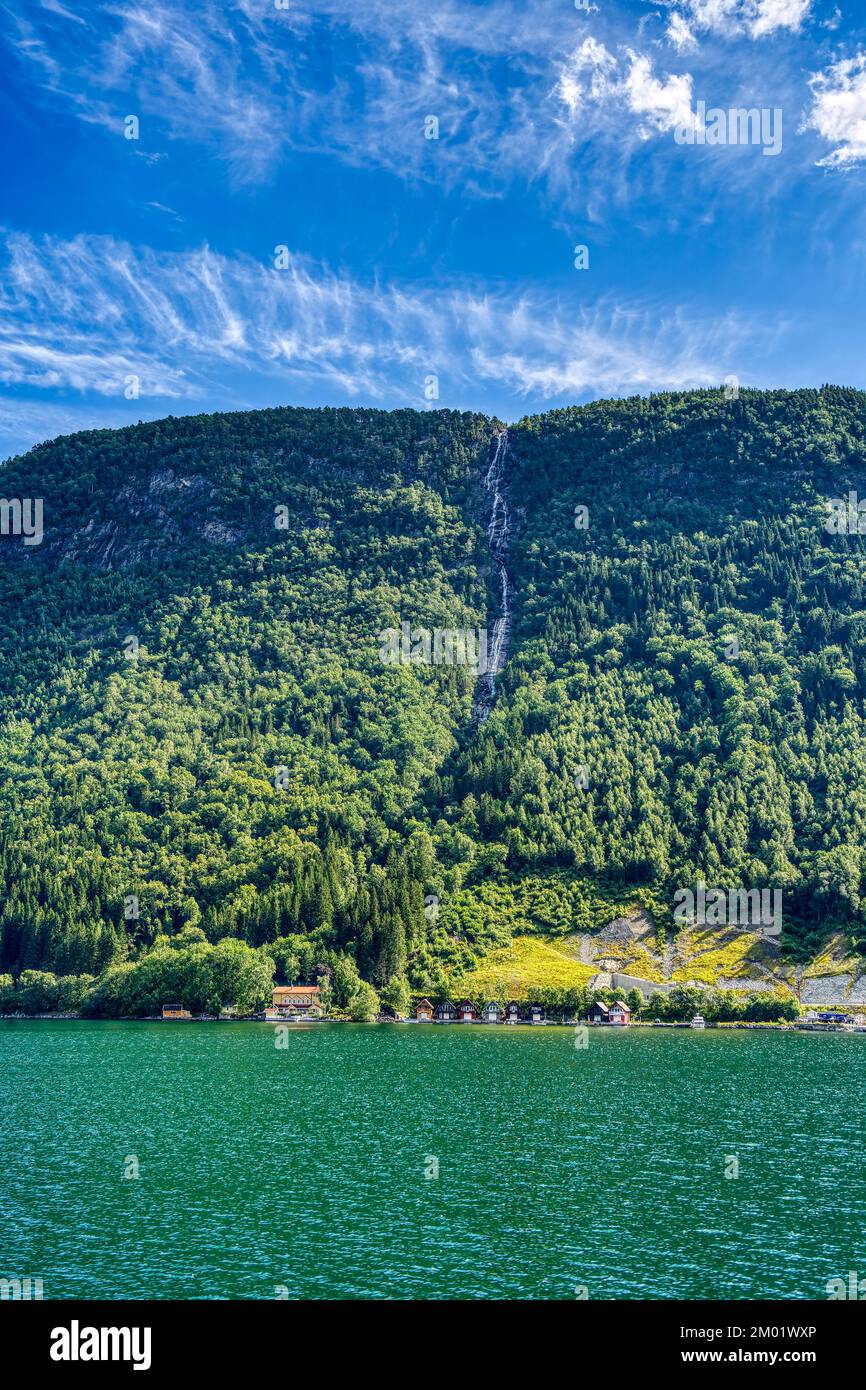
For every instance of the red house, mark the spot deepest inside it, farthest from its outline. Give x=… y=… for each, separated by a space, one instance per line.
x=466 y=1011
x=617 y=1013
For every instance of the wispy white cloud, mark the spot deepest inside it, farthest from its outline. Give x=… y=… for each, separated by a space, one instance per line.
x=769 y=16
x=838 y=111
x=188 y=71
x=253 y=83
x=730 y=18
x=87 y=314
x=588 y=75
x=592 y=76
x=609 y=350
x=680 y=33
x=662 y=103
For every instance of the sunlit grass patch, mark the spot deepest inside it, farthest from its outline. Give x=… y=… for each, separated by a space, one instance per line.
x=529 y=964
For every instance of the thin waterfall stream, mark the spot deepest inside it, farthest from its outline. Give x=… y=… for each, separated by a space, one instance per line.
x=498 y=538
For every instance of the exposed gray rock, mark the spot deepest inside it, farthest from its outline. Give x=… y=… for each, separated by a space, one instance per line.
x=826 y=989
x=218 y=532
x=619 y=931
x=585 y=951
x=857 y=993
x=626 y=929
x=752 y=986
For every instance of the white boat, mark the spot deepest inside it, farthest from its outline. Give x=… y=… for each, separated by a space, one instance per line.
x=698 y=1022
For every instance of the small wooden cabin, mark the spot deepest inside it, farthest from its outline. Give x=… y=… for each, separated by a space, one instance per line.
x=424 y=1011
x=535 y=1013
x=445 y=1012
x=513 y=1012
x=617 y=1013
x=491 y=1013
x=175 y=1011
x=598 y=1013
x=466 y=1011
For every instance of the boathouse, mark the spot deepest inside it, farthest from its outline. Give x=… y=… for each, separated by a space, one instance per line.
x=466 y=1011
x=513 y=1012
x=175 y=1011
x=491 y=1013
x=424 y=1011
x=445 y=1012
x=616 y=1013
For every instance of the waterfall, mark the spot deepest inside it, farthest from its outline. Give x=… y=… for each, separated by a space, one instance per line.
x=498 y=538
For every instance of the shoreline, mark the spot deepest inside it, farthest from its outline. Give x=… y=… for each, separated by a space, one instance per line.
x=735 y=1027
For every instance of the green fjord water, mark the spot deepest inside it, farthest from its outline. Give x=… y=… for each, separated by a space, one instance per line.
x=305 y=1166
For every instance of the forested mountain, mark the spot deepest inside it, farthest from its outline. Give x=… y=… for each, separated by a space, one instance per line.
x=200 y=733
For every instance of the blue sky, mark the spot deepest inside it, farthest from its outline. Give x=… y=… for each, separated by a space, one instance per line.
x=148 y=265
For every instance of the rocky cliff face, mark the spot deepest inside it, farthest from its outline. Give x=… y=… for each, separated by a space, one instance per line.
x=158 y=514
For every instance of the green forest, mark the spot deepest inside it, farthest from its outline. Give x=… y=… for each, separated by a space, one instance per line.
x=209 y=775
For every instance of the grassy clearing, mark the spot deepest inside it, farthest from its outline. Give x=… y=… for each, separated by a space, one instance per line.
x=708 y=960
x=529 y=964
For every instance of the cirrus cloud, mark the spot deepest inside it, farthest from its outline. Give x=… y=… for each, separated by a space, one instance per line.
x=83 y=315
